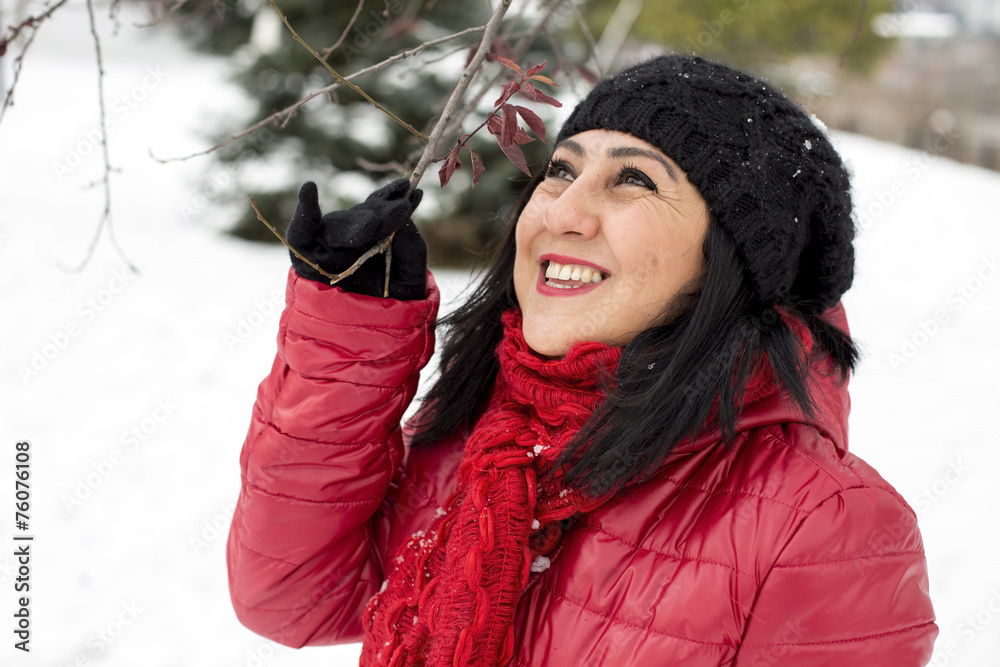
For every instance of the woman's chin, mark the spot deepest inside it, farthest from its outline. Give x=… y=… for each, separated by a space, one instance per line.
x=546 y=343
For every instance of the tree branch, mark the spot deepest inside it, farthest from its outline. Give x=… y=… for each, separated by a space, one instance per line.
x=334 y=277
x=330 y=49
x=114 y=9
x=170 y=12
x=617 y=29
x=589 y=37
x=445 y=120
x=292 y=109
x=284 y=19
x=561 y=60
x=106 y=180
x=13 y=33
x=857 y=32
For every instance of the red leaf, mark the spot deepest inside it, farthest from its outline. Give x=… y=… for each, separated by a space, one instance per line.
x=477 y=166
x=509 y=125
x=494 y=125
x=533 y=121
x=542 y=97
x=513 y=151
x=522 y=137
x=535 y=70
x=544 y=79
x=537 y=95
x=508 y=89
x=507 y=62
x=451 y=163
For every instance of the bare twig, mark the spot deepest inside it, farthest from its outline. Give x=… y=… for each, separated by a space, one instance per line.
x=284 y=19
x=447 y=114
x=14 y=32
x=384 y=247
x=292 y=109
x=515 y=21
x=289 y=112
x=857 y=32
x=330 y=49
x=106 y=180
x=443 y=56
x=561 y=60
x=114 y=9
x=375 y=167
x=590 y=38
x=260 y=216
x=334 y=277
x=31 y=22
x=617 y=30
x=170 y=12
x=8 y=100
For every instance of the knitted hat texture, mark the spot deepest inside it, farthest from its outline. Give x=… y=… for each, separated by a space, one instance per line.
x=770 y=176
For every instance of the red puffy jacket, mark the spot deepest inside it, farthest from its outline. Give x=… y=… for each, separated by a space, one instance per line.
x=785 y=550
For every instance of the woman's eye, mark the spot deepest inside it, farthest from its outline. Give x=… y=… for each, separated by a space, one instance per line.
x=558 y=169
x=632 y=176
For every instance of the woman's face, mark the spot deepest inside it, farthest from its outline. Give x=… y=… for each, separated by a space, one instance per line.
x=607 y=240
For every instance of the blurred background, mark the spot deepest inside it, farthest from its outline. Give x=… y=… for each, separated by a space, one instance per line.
x=922 y=74
x=131 y=360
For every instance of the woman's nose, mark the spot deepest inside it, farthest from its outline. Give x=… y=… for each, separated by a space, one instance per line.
x=572 y=215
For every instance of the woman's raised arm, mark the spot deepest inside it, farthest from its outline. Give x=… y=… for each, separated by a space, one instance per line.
x=304 y=554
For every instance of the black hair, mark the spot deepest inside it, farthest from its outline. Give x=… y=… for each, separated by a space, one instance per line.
x=673 y=381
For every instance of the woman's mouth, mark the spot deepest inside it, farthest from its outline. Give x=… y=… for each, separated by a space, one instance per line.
x=565 y=279
x=571 y=275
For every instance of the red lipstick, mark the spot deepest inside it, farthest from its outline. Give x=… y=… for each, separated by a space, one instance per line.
x=546 y=289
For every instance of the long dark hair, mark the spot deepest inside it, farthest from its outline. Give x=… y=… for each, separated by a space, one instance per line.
x=673 y=381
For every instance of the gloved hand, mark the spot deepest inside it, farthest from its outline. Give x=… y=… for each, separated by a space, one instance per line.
x=336 y=240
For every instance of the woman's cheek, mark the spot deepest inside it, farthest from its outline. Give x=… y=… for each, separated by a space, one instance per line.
x=532 y=215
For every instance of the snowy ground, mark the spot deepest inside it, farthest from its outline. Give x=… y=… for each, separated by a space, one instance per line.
x=141 y=386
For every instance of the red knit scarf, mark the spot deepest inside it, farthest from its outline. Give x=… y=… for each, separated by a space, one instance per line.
x=452 y=597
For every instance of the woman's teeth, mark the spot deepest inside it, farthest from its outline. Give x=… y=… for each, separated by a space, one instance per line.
x=576 y=272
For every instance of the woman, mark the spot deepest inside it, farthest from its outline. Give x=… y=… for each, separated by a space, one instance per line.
x=636 y=450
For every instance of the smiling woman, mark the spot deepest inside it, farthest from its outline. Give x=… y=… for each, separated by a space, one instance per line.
x=613 y=207
x=636 y=450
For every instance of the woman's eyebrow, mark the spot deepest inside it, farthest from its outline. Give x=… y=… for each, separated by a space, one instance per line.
x=633 y=151
x=572 y=146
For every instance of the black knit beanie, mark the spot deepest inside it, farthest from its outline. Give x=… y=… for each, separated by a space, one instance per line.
x=770 y=176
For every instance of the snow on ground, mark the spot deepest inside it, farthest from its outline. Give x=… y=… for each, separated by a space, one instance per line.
x=142 y=385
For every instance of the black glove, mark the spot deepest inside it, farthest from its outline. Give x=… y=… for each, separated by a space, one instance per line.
x=336 y=240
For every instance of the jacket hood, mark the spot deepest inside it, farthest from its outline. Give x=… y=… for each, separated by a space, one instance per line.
x=827 y=388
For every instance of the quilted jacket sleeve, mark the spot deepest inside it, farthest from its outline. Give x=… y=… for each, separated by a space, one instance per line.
x=864 y=602
x=323 y=445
